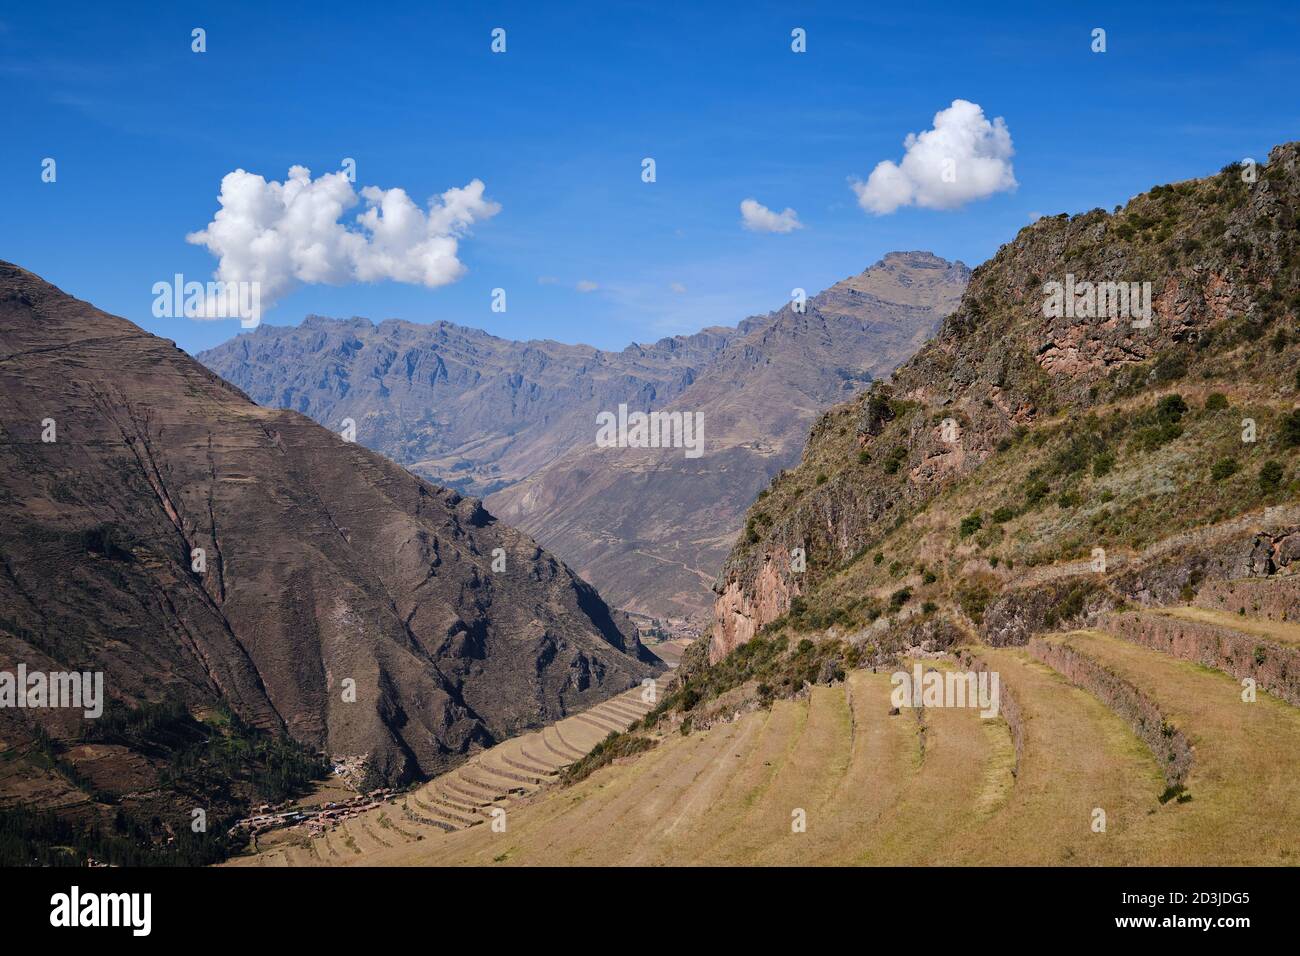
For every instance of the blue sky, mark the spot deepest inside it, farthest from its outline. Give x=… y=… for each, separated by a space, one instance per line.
x=143 y=130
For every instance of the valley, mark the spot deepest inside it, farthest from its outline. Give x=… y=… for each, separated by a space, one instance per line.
x=1101 y=512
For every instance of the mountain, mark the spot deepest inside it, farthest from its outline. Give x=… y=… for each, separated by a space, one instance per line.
x=650 y=527
x=517 y=420
x=461 y=407
x=1043 y=460
x=338 y=600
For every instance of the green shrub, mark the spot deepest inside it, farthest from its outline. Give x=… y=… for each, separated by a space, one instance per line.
x=1171 y=408
x=1036 y=491
x=895 y=460
x=1291 y=429
x=1003 y=514
x=1216 y=401
x=970 y=524
x=1223 y=468
x=1270 y=475
x=1102 y=464
x=974 y=599
x=900 y=597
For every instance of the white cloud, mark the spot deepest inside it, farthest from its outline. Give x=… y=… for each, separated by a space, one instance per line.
x=963 y=158
x=677 y=287
x=756 y=217
x=288 y=234
x=586 y=285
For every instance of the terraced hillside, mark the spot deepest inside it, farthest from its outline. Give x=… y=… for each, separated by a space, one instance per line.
x=489 y=784
x=1086 y=724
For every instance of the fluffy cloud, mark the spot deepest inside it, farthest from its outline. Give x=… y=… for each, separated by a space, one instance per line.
x=756 y=217
x=288 y=234
x=963 y=158
x=586 y=285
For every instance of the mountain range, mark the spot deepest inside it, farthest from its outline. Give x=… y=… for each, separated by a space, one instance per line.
x=516 y=421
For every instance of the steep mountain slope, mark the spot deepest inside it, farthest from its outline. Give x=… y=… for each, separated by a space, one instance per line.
x=338 y=598
x=459 y=406
x=1034 y=466
x=650 y=527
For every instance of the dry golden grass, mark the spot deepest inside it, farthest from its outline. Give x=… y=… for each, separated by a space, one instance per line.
x=872 y=794
x=1245 y=779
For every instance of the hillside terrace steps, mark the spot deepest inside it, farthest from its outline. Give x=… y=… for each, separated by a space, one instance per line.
x=543 y=828
x=502 y=773
x=806 y=772
x=482 y=777
x=883 y=755
x=631 y=826
x=578 y=733
x=1075 y=755
x=607 y=724
x=777 y=733
x=1287 y=632
x=942 y=794
x=724 y=795
x=421 y=815
x=434 y=804
x=1242 y=646
x=1246 y=760
x=558 y=748
x=527 y=764
x=464 y=797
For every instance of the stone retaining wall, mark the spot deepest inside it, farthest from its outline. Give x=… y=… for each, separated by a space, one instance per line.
x=1172 y=751
x=1274 y=666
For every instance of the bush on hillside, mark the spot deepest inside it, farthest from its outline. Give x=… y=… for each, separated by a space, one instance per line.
x=1270 y=475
